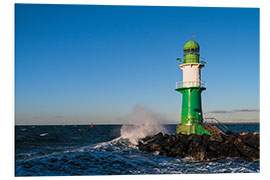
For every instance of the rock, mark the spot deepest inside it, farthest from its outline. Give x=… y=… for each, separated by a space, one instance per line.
x=184 y=139
x=197 y=153
x=205 y=140
x=159 y=136
x=175 y=151
x=227 y=150
x=248 y=152
x=193 y=136
x=213 y=146
x=147 y=139
x=236 y=135
x=181 y=145
x=155 y=147
x=209 y=155
x=144 y=147
x=238 y=141
x=242 y=134
x=216 y=138
x=196 y=149
x=251 y=140
x=168 y=140
x=229 y=139
x=205 y=147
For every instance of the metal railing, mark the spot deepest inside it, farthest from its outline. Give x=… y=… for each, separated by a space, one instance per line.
x=201 y=61
x=181 y=84
x=212 y=120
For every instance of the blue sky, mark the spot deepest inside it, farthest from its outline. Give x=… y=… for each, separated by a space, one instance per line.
x=80 y=63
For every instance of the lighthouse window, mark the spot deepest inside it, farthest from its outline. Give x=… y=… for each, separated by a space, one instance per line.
x=191 y=51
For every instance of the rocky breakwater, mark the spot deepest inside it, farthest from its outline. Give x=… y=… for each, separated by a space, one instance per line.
x=205 y=147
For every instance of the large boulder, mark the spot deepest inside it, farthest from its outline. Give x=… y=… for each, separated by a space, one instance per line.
x=196 y=149
x=246 y=151
x=251 y=140
x=216 y=138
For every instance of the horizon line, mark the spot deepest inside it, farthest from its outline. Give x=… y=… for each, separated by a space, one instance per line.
x=123 y=124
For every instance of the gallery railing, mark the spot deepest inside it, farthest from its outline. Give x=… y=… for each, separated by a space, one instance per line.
x=181 y=84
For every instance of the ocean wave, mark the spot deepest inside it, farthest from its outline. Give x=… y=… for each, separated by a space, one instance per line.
x=116 y=156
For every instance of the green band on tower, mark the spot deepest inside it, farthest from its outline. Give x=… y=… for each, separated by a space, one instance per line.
x=191 y=105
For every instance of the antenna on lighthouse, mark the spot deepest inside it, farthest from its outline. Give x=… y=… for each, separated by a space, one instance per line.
x=192 y=36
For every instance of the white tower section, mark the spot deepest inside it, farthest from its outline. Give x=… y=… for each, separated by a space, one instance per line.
x=191 y=74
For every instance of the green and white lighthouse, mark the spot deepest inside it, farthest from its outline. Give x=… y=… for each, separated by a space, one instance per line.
x=191 y=87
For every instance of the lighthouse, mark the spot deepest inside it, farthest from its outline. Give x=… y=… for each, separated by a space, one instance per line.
x=191 y=88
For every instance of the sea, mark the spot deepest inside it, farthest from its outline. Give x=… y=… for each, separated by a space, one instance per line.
x=68 y=150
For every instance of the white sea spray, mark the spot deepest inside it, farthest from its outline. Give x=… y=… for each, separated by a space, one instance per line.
x=141 y=123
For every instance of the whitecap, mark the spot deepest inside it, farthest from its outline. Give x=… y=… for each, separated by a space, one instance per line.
x=43 y=134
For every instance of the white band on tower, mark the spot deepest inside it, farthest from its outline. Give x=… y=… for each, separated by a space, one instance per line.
x=191 y=74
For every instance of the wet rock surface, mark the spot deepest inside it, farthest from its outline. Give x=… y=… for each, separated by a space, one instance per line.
x=205 y=147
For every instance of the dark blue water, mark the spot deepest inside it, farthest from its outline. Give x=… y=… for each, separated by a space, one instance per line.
x=103 y=150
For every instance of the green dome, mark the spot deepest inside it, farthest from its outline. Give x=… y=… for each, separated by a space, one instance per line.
x=191 y=45
x=191 y=52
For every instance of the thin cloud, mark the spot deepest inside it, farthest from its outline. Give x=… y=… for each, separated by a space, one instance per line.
x=246 y=110
x=58 y=116
x=219 y=112
x=232 y=111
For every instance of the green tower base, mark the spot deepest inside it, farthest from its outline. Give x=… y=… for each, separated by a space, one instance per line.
x=191 y=105
x=191 y=129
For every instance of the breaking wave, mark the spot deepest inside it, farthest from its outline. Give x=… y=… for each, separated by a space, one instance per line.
x=141 y=123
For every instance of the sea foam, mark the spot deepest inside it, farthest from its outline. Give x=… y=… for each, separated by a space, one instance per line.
x=141 y=123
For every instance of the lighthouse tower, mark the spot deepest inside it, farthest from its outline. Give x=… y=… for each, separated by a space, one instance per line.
x=191 y=87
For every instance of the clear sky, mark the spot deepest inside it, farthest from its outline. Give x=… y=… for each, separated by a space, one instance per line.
x=80 y=63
